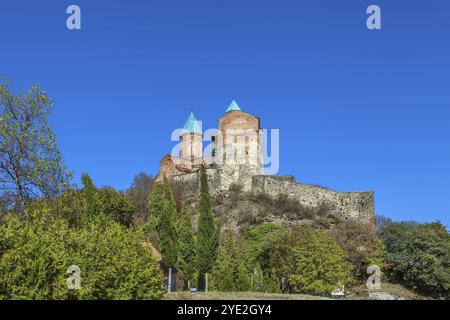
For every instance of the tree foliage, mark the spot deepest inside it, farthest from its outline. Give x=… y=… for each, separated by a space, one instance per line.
x=320 y=264
x=90 y=198
x=360 y=241
x=116 y=205
x=272 y=282
x=31 y=165
x=207 y=234
x=260 y=237
x=187 y=257
x=258 y=283
x=105 y=202
x=138 y=193
x=168 y=228
x=419 y=256
x=231 y=271
x=164 y=221
x=114 y=261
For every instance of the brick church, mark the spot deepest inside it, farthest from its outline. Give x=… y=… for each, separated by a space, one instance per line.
x=235 y=144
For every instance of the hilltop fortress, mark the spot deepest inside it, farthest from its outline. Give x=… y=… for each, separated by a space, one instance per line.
x=235 y=157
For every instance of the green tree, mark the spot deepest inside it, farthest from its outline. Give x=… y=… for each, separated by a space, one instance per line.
x=168 y=228
x=30 y=161
x=272 y=282
x=187 y=258
x=139 y=193
x=207 y=235
x=231 y=271
x=105 y=202
x=117 y=206
x=156 y=205
x=360 y=240
x=419 y=256
x=277 y=252
x=260 y=237
x=90 y=198
x=320 y=264
x=258 y=279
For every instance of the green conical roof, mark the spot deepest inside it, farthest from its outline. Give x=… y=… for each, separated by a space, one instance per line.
x=192 y=125
x=233 y=107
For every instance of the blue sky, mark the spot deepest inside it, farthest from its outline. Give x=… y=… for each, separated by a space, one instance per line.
x=356 y=109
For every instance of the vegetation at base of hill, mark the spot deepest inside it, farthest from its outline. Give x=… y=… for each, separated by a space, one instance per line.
x=360 y=241
x=320 y=264
x=418 y=256
x=231 y=271
x=307 y=260
x=35 y=253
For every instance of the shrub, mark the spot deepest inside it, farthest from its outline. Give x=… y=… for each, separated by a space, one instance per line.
x=261 y=236
x=320 y=264
x=235 y=191
x=114 y=261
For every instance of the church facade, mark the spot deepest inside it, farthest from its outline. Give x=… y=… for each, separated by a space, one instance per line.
x=235 y=147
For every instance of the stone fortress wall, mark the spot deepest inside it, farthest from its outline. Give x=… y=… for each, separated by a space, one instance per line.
x=348 y=205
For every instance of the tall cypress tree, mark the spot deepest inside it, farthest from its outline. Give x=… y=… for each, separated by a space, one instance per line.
x=258 y=279
x=156 y=204
x=187 y=257
x=207 y=232
x=168 y=228
x=90 y=198
x=271 y=282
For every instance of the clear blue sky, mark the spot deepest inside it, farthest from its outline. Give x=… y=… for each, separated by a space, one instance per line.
x=356 y=109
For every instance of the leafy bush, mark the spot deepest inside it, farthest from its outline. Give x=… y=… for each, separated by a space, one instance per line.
x=261 y=236
x=419 y=256
x=114 y=261
x=320 y=264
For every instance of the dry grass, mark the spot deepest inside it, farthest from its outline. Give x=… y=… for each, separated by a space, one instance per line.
x=354 y=293
x=361 y=292
x=215 y=295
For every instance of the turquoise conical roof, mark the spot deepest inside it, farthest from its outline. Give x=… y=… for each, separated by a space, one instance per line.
x=192 y=125
x=233 y=107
